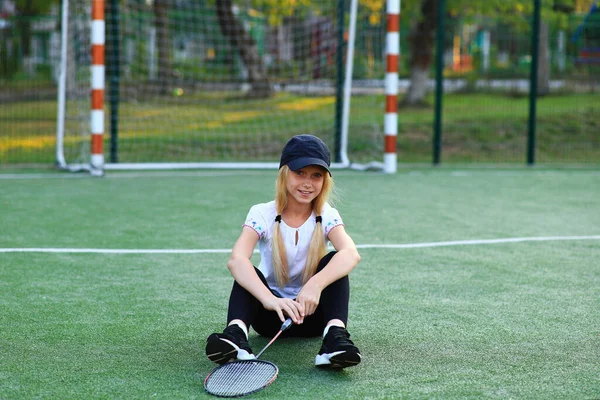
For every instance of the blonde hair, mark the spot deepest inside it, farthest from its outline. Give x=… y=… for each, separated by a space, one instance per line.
x=317 y=247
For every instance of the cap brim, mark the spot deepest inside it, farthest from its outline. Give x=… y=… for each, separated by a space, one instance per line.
x=302 y=162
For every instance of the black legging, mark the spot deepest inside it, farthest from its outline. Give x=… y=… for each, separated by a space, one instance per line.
x=332 y=305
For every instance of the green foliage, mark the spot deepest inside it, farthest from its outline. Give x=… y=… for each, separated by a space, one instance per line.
x=516 y=13
x=35 y=7
x=276 y=10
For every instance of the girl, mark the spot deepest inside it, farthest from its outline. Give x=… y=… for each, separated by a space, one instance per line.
x=295 y=277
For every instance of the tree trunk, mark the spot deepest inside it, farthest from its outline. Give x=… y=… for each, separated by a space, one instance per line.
x=543 y=61
x=25 y=11
x=241 y=40
x=418 y=86
x=422 y=39
x=161 y=15
x=24 y=27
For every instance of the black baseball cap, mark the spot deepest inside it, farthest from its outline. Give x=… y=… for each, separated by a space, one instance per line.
x=303 y=150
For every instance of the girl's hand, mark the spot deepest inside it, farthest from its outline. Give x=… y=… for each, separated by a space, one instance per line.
x=309 y=298
x=289 y=307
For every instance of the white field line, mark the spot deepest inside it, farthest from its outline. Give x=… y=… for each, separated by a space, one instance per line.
x=476 y=242
x=204 y=173
x=360 y=246
x=119 y=175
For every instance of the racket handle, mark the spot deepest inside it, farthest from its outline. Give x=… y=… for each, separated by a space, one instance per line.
x=286 y=324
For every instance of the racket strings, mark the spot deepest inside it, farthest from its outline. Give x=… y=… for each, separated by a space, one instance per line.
x=240 y=377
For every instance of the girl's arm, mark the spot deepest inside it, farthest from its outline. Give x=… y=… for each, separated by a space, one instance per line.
x=341 y=264
x=243 y=272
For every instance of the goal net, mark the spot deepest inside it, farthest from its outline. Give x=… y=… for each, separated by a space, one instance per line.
x=201 y=84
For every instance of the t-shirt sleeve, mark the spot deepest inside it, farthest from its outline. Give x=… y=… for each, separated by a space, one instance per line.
x=256 y=220
x=331 y=219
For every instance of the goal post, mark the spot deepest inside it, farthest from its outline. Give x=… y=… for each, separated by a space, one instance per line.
x=391 y=85
x=97 y=82
x=199 y=86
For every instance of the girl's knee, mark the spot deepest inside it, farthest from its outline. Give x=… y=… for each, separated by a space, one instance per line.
x=325 y=260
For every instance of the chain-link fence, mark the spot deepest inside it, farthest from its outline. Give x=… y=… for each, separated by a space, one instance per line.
x=486 y=107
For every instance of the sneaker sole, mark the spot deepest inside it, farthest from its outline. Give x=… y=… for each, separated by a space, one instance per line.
x=222 y=350
x=338 y=359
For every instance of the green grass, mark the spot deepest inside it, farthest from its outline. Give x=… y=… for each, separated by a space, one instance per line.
x=497 y=321
x=484 y=128
x=196 y=127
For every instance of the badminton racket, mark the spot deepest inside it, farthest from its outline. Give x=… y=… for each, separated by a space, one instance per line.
x=242 y=377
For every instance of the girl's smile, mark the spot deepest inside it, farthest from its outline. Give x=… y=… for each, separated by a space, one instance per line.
x=305 y=184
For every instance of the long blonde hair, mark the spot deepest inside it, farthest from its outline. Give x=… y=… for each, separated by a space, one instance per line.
x=317 y=247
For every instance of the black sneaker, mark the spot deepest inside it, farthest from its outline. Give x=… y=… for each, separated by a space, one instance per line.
x=337 y=350
x=232 y=343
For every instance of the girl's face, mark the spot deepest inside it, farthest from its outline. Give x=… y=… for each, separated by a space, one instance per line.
x=305 y=184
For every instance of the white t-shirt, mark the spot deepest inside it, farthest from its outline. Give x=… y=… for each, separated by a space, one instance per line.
x=261 y=218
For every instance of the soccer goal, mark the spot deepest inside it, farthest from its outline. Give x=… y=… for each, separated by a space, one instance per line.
x=186 y=84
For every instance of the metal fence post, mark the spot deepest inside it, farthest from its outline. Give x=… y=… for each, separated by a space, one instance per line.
x=339 y=83
x=113 y=73
x=439 y=83
x=535 y=39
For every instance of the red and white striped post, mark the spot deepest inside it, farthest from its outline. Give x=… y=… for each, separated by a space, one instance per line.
x=392 y=49
x=97 y=86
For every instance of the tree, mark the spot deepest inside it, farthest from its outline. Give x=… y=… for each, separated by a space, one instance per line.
x=543 y=75
x=233 y=29
x=243 y=42
x=514 y=12
x=421 y=39
x=161 y=21
x=26 y=9
x=276 y=12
